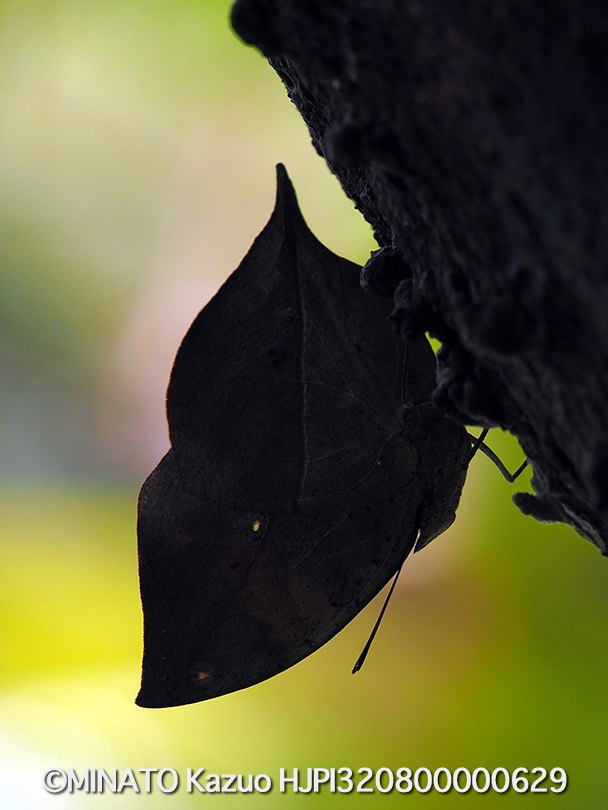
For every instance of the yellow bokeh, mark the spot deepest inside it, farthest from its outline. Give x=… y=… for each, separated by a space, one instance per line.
x=137 y=166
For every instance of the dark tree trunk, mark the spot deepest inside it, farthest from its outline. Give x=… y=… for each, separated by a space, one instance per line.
x=472 y=135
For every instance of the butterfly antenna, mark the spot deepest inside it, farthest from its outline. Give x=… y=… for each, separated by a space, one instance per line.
x=361 y=659
x=478 y=444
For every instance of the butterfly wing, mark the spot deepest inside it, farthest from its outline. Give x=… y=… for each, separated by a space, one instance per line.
x=291 y=493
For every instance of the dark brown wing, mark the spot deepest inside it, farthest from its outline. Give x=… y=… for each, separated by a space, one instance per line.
x=295 y=485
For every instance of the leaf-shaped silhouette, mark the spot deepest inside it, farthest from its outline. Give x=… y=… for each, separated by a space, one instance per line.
x=306 y=461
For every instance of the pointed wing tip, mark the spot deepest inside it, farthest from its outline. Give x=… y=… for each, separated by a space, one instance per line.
x=161 y=691
x=286 y=194
x=149 y=698
x=145 y=700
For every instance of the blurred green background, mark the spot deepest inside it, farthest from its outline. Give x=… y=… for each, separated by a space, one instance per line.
x=137 y=150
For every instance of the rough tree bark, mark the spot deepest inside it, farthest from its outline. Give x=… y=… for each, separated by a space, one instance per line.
x=473 y=136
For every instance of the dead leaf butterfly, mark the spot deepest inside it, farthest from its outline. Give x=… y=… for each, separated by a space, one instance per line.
x=306 y=463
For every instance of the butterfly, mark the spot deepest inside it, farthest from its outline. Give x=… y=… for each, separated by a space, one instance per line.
x=306 y=463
